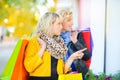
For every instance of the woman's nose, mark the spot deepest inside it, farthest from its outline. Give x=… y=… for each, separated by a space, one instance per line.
x=72 y=23
x=61 y=26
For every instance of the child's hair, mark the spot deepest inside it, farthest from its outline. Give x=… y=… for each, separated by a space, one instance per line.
x=45 y=23
x=65 y=13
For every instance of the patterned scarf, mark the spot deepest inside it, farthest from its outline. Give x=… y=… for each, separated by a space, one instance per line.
x=55 y=46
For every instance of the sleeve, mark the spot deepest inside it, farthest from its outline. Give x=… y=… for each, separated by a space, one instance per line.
x=66 y=70
x=32 y=58
x=61 y=69
x=80 y=44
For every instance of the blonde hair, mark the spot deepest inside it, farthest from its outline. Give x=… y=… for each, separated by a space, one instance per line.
x=65 y=13
x=45 y=23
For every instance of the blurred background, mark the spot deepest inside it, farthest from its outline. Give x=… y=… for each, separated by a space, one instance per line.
x=18 y=19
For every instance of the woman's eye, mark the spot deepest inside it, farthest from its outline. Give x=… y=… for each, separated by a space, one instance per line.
x=69 y=20
x=59 y=23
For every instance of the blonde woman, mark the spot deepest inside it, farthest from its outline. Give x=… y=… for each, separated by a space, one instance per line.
x=74 y=41
x=46 y=50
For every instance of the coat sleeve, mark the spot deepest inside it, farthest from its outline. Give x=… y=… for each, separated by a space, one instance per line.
x=32 y=58
x=80 y=44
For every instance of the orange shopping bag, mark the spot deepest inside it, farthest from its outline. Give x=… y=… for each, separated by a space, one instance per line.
x=19 y=72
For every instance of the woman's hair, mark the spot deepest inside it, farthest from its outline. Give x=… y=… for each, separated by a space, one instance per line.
x=45 y=23
x=65 y=13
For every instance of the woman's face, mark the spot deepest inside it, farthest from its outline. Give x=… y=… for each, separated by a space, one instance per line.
x=57 y=27
x=67 y=24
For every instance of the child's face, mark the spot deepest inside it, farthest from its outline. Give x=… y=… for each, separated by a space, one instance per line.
x=67 y=24
x=57 y=27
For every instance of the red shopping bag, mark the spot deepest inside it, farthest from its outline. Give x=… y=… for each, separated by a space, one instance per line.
x=86 y=34
x=19 y=72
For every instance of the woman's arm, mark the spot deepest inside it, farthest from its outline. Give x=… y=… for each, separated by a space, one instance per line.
x=76 y=55
x=43 y=46
x=33 y=55
x=79 y=44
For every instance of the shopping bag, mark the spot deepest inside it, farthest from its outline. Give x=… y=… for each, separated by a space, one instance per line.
x=77 y=76
x=87 y=36
x=7 y=72
x=19 y=72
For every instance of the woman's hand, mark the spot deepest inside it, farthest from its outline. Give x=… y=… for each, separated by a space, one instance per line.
x=77 y=55
x=42 y=43
x=73 y=36
x=43 y=46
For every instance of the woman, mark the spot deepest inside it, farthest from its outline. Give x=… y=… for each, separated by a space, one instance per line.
x=46 y=50
x=74 y=41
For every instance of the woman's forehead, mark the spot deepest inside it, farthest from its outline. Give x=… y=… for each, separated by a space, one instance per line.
x=68 y=18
